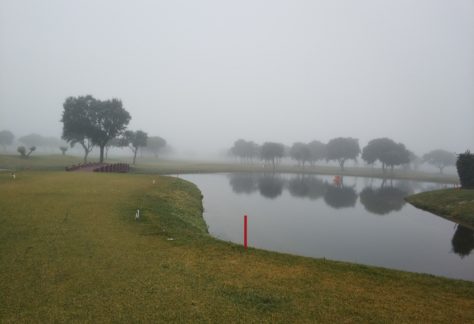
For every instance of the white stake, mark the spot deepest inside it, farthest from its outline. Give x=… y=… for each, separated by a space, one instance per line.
x=137 y=214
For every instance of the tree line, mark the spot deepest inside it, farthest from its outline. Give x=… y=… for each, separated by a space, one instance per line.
x=384 y=150
x=90 y=123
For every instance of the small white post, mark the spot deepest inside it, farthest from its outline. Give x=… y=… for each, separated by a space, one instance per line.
x=137 y=214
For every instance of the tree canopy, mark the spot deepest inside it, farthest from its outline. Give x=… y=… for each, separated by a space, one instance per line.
x=135 y=140
x=440 y=159
x=301 y=153
x=245 y=150
x=342 y=149
x=6 y=138
x=272 y=152
x=386 y=151
x=155 y=144
x=89 y=121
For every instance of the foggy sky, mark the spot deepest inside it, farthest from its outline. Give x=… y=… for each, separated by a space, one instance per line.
x=204 y=73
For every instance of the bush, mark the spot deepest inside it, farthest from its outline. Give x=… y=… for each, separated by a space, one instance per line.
x=23 y=153
x=465 y=166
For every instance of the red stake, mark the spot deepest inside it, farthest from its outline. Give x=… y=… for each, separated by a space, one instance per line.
x=245 y=231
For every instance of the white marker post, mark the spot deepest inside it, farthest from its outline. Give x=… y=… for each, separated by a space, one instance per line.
x=137 y=214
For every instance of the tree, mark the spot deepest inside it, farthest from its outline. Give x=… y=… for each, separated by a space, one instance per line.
x=90 y=122
x=465 y=167
x=463 y=241
x=77 y=122
x=6 y=138
x=114 y=142
x=33 y=140
x=23 y=153
x=245 y=150
x=342 y=149
x=440 y=159
x=386 y=151
x=155 y=144
x=63 y=149
x=301 y=153
x=317 y=151
x=134 y=141
x=109 y=120
x=272 y=152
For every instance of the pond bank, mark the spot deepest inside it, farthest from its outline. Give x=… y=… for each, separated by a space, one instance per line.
x=456 y=205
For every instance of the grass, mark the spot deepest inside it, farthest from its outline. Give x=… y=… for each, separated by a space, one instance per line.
x=454 y=204
x=162 y=166
x=70 y=250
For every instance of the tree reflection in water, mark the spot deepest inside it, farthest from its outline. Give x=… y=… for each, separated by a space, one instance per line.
x=463 y=241
x=243 y=182
x=340 y=196
x=383 y=200
x=306 y=187
x=270 y=185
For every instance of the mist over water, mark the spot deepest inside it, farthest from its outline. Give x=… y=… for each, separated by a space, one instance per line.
x=203 y=74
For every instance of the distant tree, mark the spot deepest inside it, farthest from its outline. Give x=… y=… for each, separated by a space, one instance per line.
x=135 y=140
x=23 y=153
x=33 y=140
x=77 y=118
x=63 y=149
x=114 y=142
x=272 y=152
x=342 y=149
x=6 y=138
x=245 y=150
x=90 y=120
x=386 y=151
x=301 y=153
x=155 y=145
x=317 y=151
x=110 y=120
x=440 y=159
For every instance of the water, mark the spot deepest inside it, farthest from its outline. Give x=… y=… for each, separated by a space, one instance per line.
x=362 y=220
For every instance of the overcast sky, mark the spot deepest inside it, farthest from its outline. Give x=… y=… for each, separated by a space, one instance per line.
x=205 y=73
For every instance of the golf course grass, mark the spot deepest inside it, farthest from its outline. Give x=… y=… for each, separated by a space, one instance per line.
x=72 y=251
x=456 y=205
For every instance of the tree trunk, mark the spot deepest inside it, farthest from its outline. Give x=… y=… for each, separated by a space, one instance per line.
x=86 y=151
x=341 y=164
x=135 y=155
x=102 y=153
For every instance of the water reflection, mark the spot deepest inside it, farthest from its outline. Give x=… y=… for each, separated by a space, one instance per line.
x=270 y=185
x=388 y=196
x=463 y=241
x=243 y=182
x=305 y=186
x=340 y=196
x=383 y=200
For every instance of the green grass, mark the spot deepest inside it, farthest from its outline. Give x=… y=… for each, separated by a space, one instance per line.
x=71 y=251
x=38 y=162
x=163 y=166
x=454 y=204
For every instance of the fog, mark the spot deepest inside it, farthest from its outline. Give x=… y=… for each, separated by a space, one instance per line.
x=202 y=74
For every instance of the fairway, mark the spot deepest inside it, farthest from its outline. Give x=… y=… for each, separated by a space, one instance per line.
x=71 y=250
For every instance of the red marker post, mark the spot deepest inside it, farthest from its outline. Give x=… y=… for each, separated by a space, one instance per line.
x=245 y=231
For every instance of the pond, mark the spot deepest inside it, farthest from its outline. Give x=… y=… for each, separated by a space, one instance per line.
x=359 y=220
